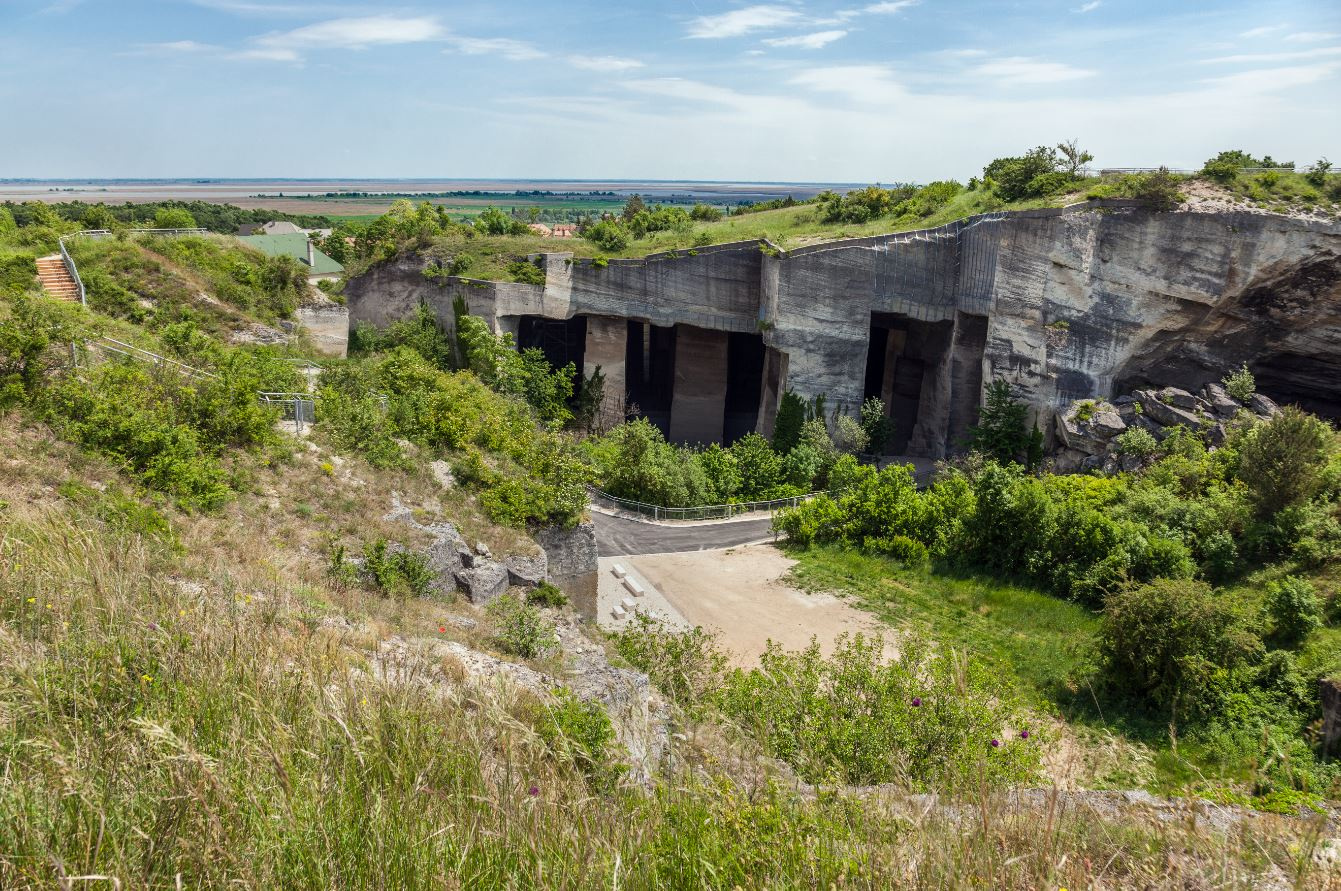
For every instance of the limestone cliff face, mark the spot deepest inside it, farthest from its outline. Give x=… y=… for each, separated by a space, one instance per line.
x=1066 y=304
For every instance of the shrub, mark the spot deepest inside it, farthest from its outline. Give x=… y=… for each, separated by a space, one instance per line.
x=395 y=570
x=35 y=344
x=546 y=594
x=520 y=629
x=1173 y=643
x=526 y=272
x=1318 y=175
x=1159 y=189
x=1294 y=609
x=686 y=666
x=705 y=213
x=18 y=275
x=174 y=218
x=1282 y=460
x=1136 y=442
x=787 y=425
x=608 y=235
x=927 y=720
x=876 y=424
x=579 y=732
x=1241 y=384
x=1017 y=177
x=761 y=468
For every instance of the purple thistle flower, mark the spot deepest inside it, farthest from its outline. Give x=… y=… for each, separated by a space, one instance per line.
x=917 y=701
x=996 y=743
x=153 y=626
x=1024 y=734
x=533 y=791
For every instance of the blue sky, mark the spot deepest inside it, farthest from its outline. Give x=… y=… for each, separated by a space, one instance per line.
x=819 y=90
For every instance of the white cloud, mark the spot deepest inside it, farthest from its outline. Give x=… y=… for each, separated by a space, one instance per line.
x=743 y=21
x=1262 y=31
x=180 y=46
x=1273 y=80
x=808 y=41
x=862 y=84
x=1089 y=7
x=889 y=7
x=515 y=50
x=603 y=63
x=1310 y=36
x=1320 y=52
x=1019 y=70
x=350 y=33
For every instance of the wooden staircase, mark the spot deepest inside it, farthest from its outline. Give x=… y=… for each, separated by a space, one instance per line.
x=56 y=279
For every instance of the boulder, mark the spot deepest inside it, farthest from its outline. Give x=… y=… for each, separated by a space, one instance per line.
x=1067 y=460
x=1263 y=406
x=1169 y=415
x=526 y=572
x=483 y=582
x=1107 y=424
x=1178 y=398
x=1222 y=405
x=1090 y=436
x=1159 y=431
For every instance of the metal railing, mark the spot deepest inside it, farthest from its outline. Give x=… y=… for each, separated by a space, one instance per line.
x=301 y=408
x=702 y=512
x=130 y=351
x=74 y=272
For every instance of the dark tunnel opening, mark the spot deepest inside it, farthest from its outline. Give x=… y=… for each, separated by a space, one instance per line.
x=903 y=355
x=744 y=382
x=649 y=371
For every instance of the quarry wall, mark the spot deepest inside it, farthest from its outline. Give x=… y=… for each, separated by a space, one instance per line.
x=1065 y=304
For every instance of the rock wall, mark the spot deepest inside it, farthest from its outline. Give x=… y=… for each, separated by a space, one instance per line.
x=573 y=564
x=326 y=324
x=1065 y=304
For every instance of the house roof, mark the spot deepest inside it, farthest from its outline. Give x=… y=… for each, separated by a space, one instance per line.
x=294 y=246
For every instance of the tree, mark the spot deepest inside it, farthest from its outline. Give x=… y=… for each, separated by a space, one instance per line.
x=493 y=221
x=174 y=218
x=1294 y=609
x=1074 y=158
x=1318 y=175
x=705 y=213
x=760 y=467
x=1171 y=640
x=634 y=206
x=590 y=397
x=1002 y=430
x=1283 y=460
x=877 y=424
x=787 y=425
x=609 y=235
x=1020 y=177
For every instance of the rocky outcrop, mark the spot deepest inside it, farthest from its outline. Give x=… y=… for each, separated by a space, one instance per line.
x=1088 y=432
x=326 y=325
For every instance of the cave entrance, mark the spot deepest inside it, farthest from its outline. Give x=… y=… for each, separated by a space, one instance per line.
x=649 y=370
x=744 y=383
x=906 y=360
x=561 y=340
x=1306 y=381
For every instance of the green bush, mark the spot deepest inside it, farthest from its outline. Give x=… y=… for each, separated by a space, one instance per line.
x=548 y=595
x=1137 y=442
x=1293 y=608
x=925 y=720
x=787 y=425
x=395 y=570
x=520 y=629
x=1002 y=432
x=1020 y=177
x=686 y=666
x=608 y=235
x=526 y=272
x=877 y=425
x=1174 y=644
x=35 y=345
x=1282 y=461
x=18 y=274
x=579 y=732
x=1241 y=384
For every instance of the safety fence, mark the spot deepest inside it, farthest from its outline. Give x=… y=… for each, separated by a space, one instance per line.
x=702 y=512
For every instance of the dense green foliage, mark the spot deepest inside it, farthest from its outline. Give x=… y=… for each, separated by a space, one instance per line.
x=1003 y=432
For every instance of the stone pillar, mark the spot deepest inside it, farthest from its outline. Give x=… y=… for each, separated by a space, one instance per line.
x=770 y=393
x=698 y=403
x=607 y=345
x=572 y=564
x=894 y=343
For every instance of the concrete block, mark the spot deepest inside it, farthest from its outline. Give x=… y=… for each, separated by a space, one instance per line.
x=619 y=571
x=632 y=586
x=618 y=612
x=626 y=603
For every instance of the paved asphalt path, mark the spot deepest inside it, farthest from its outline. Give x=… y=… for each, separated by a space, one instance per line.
x=618 y=537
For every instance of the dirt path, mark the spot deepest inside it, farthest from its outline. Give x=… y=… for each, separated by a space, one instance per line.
x=741 y=594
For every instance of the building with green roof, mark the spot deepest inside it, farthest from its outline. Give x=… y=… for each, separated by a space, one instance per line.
x=299 y=247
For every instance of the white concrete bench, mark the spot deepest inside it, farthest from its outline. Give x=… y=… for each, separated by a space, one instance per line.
x=633 y=587
x=618 y=570
x=618 y=612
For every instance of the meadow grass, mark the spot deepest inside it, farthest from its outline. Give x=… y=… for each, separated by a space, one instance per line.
x=1036 y=638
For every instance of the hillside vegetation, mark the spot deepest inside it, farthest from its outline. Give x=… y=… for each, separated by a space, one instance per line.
x=231 y=661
